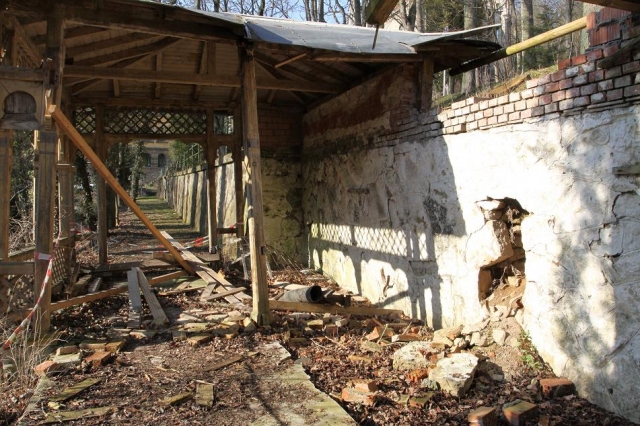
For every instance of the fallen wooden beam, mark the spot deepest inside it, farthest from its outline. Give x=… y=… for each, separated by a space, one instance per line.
x=167 y=277
x=65 y=416
x=223 y=294
x=159 y=316
x=277 y=305
x=74 y=301
x=223 y=364
x=71 y=391
x=164 y=256
x=65 y=125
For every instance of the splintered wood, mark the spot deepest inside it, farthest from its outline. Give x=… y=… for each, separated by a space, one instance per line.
x=216 y=282
x=159 y=316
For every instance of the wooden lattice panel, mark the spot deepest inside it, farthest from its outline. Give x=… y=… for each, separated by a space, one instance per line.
x=84 y=120
x=16 y=295
x=120 y=120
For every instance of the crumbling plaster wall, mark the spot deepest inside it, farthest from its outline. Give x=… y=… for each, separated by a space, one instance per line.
x=386 y=195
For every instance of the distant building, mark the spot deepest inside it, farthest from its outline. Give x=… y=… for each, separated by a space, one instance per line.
x=157 y=160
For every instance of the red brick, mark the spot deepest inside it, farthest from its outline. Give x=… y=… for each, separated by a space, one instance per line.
x=596 y=98
x=613 y=72
x=537 y=111
x=532 y=103
x=564 y=63
x=610 y=50
x=582 y=101
x=566 y=104
x=596 y=76
x=99 y=358
x=520 y=413
x=558 y=96
x=552 y=87
x=605 y=85
x=482 y=122
x=521 y=105
x=573 y=93
x=579 y=60
x=352 y=395
x=514 y=97
x=483 y=416
x=544 y=100
x=545 y=79
x=594 y=55
x=514 y=116
x=630 y=67
x=503 y=118
x=531 y=83
x=591 y=21
x=580 y=80
x=46 y=368
x=557 y=387
x=552 y=107
x=589 y=89
x=622 y=81
x=498 y=110
x=509 y=108
x=632 y=90
x=488 y=113
x=566 y=83
x=538 y=91
x=478 y=115
x=614 y=95
x=558 y=75
x=526 y=94
x=503 y=100
x=493 y=102
x=492 y=120
x=525 y=114
x=362 y=385
x=587 y=68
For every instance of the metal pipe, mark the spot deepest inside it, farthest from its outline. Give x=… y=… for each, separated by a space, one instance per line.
x=553 y=34
x=311 y=294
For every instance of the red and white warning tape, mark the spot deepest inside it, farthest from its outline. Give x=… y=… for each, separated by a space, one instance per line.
x=45 y=283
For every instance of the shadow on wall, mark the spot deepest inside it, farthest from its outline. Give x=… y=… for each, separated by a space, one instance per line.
x=374 y=219
x=583 y=261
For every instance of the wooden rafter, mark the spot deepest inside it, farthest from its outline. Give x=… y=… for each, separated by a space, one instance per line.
x=71 y=33
x=30 y=48
x=268 y=61
x=368 y=58
x=109 y=43
x=207 y=65
x=181 y=78
x=134 y=52
x=157 y=90
x=146 y=102
x=630 y=5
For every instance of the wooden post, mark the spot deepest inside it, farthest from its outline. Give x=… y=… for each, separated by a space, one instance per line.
x=237 y=171
x=43 y=208
x=6 y=159
x=260 y=314
x=426 y=84
x=66 y=215
x=101 y=151
x=211 y=151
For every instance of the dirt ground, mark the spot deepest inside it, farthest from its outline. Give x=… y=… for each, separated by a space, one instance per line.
x=148 y=369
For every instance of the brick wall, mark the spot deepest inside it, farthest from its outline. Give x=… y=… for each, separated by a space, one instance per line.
x=280 y=127
x=581 y=83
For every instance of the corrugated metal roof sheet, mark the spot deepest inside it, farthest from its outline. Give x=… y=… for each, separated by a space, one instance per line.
x=334 y=37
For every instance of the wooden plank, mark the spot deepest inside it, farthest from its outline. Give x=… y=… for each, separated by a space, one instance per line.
x=164 y=256
x=278 y=305
x=100 y=167
x=257 y=243
x=31 y=49
x=223 y=364
x=611 y=60
x=17 y=268
x=101 y=187
x=71 y=391
x=167 y=277
x=6 y=159
x=108 y=43
x=237 y=173
x=176 y=399
x=223 y=294
x=56 y=306
x=208 y=275
x=204 y=80
x=65 y=416
x=378 y=11
x=159 y=316
x=146 y=102
x=135 y=301
x=205 y=394
x=44 y=197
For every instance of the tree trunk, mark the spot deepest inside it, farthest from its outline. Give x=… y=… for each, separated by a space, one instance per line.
x=468 y=78
x=528 y=56
x=357 y=13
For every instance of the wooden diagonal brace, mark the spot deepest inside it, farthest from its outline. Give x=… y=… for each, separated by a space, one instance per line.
x=78 y=140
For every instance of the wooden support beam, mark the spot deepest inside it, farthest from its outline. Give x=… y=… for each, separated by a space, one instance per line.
x=159 y=316
x=205 y=80
x=545 y=37
x=101 y=186
x=102 y=170
x=278 y=305
x=135 y=301
x=16 y=268
x=6 y=159
x=116 y=88
x=366 y=58
x=71 y=33
x=612 y=59
x=211 y=152
x=45 y=178
x=30 y=48
x=291 y=59
x=207 y=64
x=378 y=11
x=426 y=84
x=167 y=277
x=238 y=179
x=260 y=313
x=157 y=90
x=146 y=102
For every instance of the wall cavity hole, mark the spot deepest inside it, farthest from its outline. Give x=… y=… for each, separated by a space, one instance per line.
x=501 y=284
